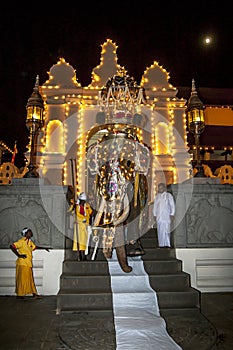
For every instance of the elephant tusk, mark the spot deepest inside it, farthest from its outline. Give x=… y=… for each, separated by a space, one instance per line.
x=100 y=212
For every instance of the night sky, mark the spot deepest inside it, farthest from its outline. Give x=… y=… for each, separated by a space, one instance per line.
x=170 y=32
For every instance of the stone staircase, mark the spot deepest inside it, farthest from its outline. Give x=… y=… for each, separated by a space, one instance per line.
x=85 y=286
x=172 y=285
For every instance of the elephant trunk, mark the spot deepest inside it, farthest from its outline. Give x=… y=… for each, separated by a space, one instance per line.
x=122 y=259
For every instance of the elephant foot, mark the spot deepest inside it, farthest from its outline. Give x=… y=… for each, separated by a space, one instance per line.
x=134 y=248
x=122 y=259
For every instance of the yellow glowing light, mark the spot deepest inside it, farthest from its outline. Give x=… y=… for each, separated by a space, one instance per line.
x=208 y=40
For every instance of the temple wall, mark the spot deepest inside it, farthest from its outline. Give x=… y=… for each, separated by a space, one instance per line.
x=203 y=233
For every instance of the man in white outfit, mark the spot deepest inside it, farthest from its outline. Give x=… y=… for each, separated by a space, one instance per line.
x=163 y=211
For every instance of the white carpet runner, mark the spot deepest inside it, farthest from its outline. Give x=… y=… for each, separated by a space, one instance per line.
x=138 y=323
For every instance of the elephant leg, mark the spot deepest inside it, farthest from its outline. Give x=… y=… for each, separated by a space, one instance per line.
x=122 y=259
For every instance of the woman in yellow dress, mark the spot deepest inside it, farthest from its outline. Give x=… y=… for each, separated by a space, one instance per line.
x=24 y=280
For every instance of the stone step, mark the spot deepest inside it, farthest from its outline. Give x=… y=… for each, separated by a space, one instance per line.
x=180 y=312
x=86 y=268
x=82 y=284
x=71 y=301
x=187 y=298
x=151 y=233
x=101 y=267
x=149 y=240
x=162 y=266
x=149 y=243
x=170 y=282
x=159 y=253
x=173 y=282
x=150 y=253
x=95 y=301
x=73 y=255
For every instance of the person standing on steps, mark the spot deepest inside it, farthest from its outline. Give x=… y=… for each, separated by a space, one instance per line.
x=24 y=280
x=163 y=211
x=83 y=213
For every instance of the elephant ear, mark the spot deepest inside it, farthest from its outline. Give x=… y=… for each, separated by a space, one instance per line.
x=125 y=213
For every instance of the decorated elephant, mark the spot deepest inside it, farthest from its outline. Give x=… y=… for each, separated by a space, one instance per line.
x=120 y=164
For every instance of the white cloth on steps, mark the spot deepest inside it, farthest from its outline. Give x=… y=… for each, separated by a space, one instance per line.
x=138 y=323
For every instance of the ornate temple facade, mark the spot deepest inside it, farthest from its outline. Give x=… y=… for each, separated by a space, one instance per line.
x=77 y=117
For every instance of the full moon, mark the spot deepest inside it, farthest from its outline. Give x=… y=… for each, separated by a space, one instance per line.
x=207 y=40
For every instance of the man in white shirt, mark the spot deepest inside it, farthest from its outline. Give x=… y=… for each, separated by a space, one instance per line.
x=163 y=211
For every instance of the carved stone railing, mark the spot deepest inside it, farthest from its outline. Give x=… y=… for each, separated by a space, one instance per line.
x=204 y=214
x=30 y=203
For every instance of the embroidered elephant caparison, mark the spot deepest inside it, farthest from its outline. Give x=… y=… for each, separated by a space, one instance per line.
x=120 y=163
